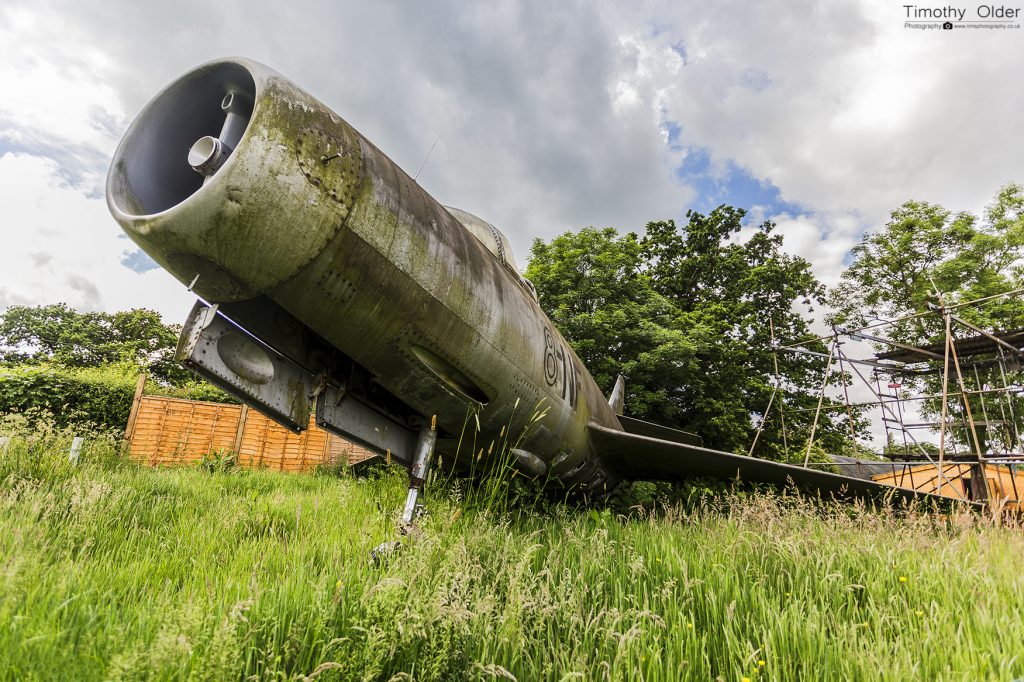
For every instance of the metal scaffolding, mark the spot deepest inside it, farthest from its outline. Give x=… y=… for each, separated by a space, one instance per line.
x=978 y=430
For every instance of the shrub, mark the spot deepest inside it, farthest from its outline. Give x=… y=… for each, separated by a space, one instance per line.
x=100 y=396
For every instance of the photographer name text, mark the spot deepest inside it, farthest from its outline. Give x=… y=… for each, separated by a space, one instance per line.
x=959 y=14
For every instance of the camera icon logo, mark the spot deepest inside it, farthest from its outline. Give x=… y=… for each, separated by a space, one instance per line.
x=947 y=26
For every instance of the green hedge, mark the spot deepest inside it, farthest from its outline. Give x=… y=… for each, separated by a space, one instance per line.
x=100 y=395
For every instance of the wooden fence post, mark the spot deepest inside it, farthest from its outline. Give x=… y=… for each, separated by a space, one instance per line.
x=325 y=456
x=129 y=430
x=241 y=428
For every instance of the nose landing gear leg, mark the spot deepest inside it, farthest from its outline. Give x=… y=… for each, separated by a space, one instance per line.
x=425 y=442
x=420 y=464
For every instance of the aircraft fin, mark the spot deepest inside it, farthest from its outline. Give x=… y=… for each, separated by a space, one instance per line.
x=618 y=397
x=636 y=457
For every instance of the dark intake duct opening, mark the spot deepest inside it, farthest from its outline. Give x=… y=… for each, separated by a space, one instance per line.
x=151 y=171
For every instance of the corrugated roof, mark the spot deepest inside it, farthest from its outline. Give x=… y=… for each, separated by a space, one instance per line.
x=865 y=468
x=968 y=347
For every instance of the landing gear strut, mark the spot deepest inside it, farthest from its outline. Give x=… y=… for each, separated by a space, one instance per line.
x=425 y=441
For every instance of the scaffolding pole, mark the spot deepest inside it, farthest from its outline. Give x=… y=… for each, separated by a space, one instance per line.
x=821 y=396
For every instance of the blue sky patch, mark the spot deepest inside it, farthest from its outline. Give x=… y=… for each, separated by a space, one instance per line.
x=734 y=185
x=138 y=261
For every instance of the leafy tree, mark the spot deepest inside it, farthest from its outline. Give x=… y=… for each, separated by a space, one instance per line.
x=63 y=336
x=926 y=254
x=591 y=285
x=685 y=314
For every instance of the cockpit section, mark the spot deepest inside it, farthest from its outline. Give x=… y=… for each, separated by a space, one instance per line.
x=495 y=241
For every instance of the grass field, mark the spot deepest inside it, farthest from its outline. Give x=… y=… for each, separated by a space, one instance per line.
x=112 y=571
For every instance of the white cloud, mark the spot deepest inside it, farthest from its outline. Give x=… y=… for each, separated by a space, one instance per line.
x=823 y=240
x=553 y=114
x=858 y=114
x=58 y=100
x=63 y=246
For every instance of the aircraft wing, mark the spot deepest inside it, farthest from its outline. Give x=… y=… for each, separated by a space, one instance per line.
x=638 y=457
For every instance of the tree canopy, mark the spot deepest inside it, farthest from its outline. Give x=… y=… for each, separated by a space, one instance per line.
x=686 y=314
x=927 y=249
x=63 y=336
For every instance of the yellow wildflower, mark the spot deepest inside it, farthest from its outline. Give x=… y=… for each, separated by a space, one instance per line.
x=760 y=663
x=745 y=679
x=919 y=613
x=337 y=585
x=689 y=625
x=903 y=578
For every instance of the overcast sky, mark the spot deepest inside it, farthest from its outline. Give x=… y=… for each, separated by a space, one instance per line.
x=555 y=115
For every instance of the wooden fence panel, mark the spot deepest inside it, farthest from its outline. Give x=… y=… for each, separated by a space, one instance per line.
x=1004 y=483
x=168 y=431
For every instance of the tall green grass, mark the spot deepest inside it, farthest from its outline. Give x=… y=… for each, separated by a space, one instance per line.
x=112 y=571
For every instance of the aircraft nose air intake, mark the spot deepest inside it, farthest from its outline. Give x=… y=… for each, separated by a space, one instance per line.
x=189 y=182
x=191 y=127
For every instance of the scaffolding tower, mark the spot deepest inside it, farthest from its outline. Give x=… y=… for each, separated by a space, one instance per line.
x=979 y=441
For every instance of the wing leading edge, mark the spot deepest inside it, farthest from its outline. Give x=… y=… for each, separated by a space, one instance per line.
x=636 y=457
